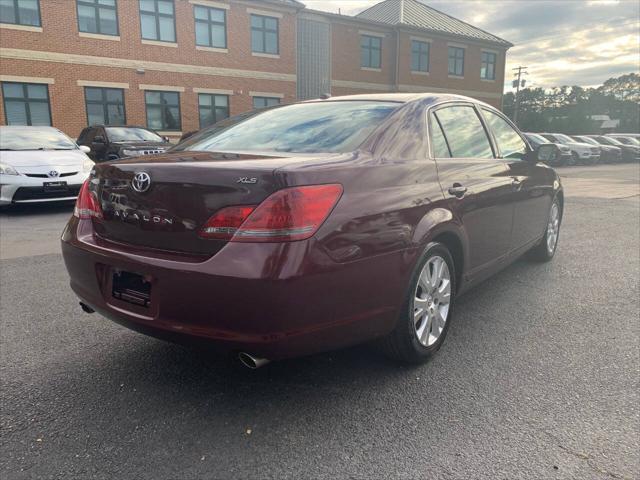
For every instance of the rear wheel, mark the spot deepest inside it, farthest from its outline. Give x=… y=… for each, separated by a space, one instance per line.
x=426 y=314
x=546 y=249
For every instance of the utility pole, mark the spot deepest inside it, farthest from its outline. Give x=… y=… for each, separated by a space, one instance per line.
x=518 y=83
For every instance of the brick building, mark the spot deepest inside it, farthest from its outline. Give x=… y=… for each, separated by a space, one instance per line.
x=178 y=65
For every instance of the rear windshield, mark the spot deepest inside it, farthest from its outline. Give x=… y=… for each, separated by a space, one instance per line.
x=128 y=134
x=299 y=128
x=35 y=139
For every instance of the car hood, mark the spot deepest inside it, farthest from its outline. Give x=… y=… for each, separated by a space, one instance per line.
x=143 y=145
x=41 y=158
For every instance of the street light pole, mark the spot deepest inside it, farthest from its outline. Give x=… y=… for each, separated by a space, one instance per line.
x=517 y=83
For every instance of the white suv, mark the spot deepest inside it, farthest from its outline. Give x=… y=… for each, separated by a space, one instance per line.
x=581 y=152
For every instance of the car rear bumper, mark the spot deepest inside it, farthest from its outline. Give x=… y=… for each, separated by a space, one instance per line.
x=270 y=300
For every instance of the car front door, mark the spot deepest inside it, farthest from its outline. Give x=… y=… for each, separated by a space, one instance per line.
x=477 y=185
x=533 y=182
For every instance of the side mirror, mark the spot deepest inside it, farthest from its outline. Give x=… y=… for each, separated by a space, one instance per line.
x=166 y=139
x=545 y=153
x=84 y=148
x=98 y=139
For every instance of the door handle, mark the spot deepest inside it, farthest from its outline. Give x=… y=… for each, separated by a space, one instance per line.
x=457 y=190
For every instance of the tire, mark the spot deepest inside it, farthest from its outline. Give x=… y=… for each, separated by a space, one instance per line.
x=575 y=159
x=403 y=343
x=543 y=252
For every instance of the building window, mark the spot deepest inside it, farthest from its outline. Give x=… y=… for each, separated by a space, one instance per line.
x=456 y=61
x=98 y=16
x=157 y=20
x=371 y=49
x=488 y=68
x=212 y=108
x=20 y=12
x=261 y=102
x=419 y=56
x=105 y=106
x=264 y=34
x=163 y=110
x=26 y=103
x=211 y=27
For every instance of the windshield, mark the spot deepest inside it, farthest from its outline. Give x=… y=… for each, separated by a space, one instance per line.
x=628 y=140
x=587 y=140
x=34 y=139
x=564 y=138
x=609 y=141
x=537 y=138
x=299 y=128
x=128 y=134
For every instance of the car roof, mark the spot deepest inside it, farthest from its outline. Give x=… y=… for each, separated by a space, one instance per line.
x=402 y=98
x=29 y=127
x=118 y=126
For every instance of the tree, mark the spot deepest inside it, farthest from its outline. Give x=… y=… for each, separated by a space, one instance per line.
x=568 y=109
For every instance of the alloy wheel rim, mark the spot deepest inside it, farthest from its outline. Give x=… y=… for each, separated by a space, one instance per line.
x=553 y=228
x=432 y=300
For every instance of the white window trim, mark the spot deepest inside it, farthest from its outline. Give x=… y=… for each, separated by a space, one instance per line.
x=457 y=45
x=202 y=48
x=369 y=33
x=264 y=13
x=168 y=133
x=159 y=43
x=265 y=55
x=485 y=50
x=209 y=3
x=459 y=77
x=24 y=28
x=91 y=83
x=20 y=79
x=418 y=72
x=161 y=88
x=370 y=69
x=420 y=39
x=487 y=80
x=213 y=91
x=99 y=36
x=266 y=94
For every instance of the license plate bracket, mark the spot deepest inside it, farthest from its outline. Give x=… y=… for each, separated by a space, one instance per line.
x=131 y=288
x=55 y=186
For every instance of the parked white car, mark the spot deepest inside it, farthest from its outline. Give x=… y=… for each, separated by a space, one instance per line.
x=40 y=164
x=581 y=152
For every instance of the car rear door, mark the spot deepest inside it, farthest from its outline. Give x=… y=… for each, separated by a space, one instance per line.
x=533 y=183
x=477 y=185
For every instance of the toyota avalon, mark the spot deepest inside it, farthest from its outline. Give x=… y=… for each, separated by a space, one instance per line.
x=314 y=226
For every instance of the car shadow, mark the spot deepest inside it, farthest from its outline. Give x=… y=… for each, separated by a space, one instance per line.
x=30 y=209
x=167 y=374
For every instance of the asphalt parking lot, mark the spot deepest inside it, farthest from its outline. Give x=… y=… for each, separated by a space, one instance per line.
x=539 y=377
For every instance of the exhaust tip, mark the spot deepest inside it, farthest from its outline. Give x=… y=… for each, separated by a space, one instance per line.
x=86 y=308
x=251 y=362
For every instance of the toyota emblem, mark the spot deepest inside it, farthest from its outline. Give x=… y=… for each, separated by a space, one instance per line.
x=53 y=174
x=141 y=182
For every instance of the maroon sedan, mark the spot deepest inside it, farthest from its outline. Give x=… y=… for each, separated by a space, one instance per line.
x=314 y=226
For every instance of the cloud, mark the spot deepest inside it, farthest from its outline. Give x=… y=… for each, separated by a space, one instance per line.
x=563 y=42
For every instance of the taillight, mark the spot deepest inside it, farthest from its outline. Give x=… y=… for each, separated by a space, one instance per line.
x=290 y=214
x=87 y=205
x=225 y=223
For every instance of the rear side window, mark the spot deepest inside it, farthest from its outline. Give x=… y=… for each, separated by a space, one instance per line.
x=509 y=142
x=464 y=132
x=438 y=142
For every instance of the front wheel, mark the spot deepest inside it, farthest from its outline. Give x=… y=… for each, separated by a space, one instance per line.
x=426 y=313
x=546 y=249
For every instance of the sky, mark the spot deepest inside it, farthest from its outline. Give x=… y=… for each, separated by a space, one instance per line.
x=563 y=42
